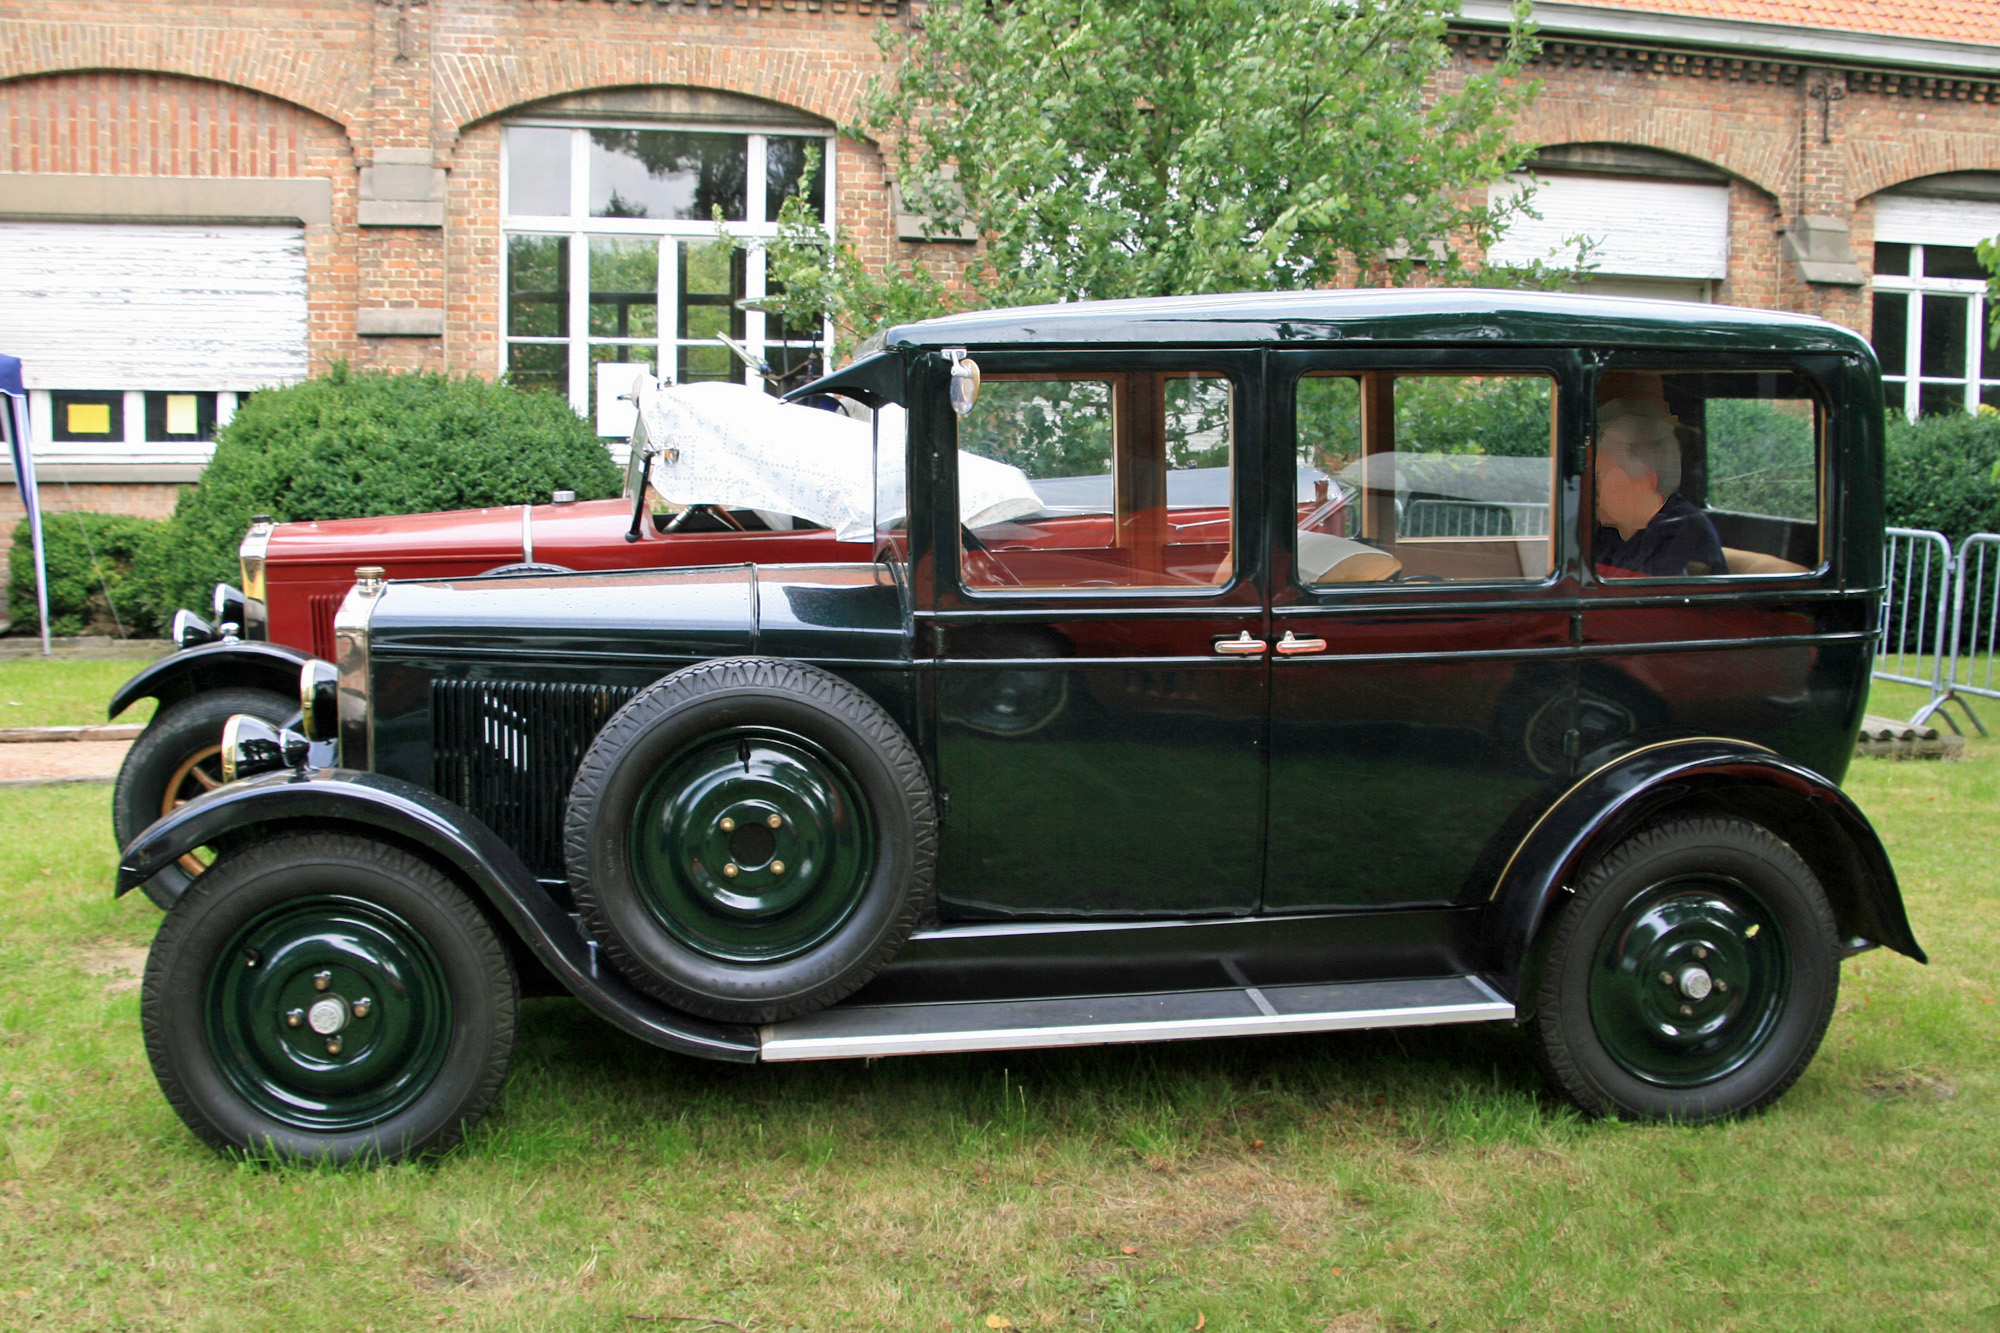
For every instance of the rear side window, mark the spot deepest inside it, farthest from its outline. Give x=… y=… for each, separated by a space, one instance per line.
x=1700 y=474
x=1424 y=478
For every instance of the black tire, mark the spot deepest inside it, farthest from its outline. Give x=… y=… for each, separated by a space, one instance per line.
x=176 y=758
x=655 y=805
x=1692 y=976
x=423 y=1047
x=530 y=567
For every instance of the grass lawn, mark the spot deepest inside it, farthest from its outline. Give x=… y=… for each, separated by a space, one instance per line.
x=1391 y=1181
x=38 y=692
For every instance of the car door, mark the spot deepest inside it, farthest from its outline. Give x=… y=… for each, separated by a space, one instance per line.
x=1097 y=630
x=1422 y=621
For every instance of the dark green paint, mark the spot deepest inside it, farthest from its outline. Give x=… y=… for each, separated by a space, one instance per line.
x=752 y=846
x=372 y=961
x=1648 y=1023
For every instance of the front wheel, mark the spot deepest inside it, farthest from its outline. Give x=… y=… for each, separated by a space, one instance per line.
x=1692 y=976
x=326 y=997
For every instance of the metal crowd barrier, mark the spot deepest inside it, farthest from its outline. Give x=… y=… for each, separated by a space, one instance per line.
x=1940 y=613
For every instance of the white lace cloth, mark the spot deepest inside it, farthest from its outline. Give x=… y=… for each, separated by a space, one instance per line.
x=735 y=446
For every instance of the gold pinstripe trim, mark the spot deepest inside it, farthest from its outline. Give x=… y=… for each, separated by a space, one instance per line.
x=1555 y=805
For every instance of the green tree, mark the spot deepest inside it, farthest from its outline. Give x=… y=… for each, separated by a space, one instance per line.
x=1115 y=148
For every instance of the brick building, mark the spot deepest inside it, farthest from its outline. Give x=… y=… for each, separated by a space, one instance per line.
x=200 y=199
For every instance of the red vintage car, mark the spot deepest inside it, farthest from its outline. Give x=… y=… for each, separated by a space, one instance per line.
x=708 y=496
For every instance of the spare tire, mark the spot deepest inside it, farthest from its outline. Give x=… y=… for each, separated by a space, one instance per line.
x=751 y=839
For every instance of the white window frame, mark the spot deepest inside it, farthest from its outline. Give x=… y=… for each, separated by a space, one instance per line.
x=1911 y=382
x=579 y=228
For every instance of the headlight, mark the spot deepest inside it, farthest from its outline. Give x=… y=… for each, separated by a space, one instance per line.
x=231 y=608
x=250 y=746
x=350 y=640
x=319 y=700
x=191 y=631
x=251 y=554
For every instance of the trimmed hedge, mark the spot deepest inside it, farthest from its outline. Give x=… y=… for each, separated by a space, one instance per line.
x=98 y=564
x=1941 y=474
x=363 y=444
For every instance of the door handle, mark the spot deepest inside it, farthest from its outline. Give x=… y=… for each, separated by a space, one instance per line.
x=1241 y=646
x=1292 y=646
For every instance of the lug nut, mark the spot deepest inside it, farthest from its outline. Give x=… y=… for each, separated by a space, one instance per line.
x=295 y=1017
x=1687 y=1010
x=775 y=821
x=1722 y=986
x=729 y=871
x=321 y=980
x=361 y=1008
x=333 y=1046
x=777 y=867
x=1700 y=952
x=728 y=824
x=1666 y=978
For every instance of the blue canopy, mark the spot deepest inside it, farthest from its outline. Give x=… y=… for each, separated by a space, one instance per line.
x=14 y=422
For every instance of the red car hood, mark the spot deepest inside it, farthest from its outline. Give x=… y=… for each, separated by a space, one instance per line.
x=440 y=544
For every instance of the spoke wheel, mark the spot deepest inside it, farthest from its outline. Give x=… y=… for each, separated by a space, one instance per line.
x=199 y=772
x=177 y=758
x=1691 y=977
x=752 y=846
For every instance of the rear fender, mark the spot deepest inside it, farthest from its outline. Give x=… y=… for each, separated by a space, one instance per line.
x=1707 y=776
x=384 y=807
x=214 y=666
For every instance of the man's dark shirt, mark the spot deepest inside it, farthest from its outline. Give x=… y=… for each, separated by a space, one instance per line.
x=1679 y=541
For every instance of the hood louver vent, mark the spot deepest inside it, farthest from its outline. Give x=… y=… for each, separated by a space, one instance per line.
x=507 y=751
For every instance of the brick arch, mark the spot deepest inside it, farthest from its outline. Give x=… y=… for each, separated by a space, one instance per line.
x=471 y=89
x=1758 y=156
x=126 y=123
x=1876 y=166
x=303 y=69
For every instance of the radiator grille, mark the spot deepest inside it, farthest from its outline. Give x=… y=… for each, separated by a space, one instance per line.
x=320 y=607
x=508 y=750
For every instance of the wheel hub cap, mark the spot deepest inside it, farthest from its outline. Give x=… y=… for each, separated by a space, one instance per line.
x=752 y=846
x=328 y=1014
x=1690 y=981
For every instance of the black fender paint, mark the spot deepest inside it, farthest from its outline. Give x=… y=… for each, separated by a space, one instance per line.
x=214 y=666
x=1802 y=806
x=370 y=803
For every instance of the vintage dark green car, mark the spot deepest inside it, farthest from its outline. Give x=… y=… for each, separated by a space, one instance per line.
x=1247 y=664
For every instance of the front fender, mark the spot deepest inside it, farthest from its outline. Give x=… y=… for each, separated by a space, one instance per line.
x=374 y=804
x=1802 y=806
x=214 y=666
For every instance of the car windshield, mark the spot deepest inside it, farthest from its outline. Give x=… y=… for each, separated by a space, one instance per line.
x=734 y=446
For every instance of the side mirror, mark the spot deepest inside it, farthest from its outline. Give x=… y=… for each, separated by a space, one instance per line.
x=964 y=380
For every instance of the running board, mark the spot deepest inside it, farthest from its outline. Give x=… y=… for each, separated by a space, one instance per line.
x=999 y=1025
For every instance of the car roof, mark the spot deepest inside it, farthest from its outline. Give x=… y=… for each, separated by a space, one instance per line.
x=1431 y=316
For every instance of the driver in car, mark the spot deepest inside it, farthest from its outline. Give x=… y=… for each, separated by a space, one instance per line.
x=1647 y=528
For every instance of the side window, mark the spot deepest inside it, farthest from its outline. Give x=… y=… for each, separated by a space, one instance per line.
x=1424 y=477
x=1130 y=474
x=1699 y=474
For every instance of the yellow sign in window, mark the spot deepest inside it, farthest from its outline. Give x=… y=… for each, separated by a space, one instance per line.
x=89 y=418
x=180 y=414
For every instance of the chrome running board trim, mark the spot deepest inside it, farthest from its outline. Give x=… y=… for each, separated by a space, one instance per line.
x=845 y=1032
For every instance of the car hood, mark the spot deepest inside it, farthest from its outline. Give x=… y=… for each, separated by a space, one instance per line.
x=449 y=538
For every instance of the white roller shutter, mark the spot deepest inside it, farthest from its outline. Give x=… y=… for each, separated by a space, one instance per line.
x=1920 y=220
x=141 y=306
x=1643 y=228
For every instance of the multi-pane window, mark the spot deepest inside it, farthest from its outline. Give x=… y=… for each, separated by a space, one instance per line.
x=631 y=247
x=124 y=419
x=1930 y=325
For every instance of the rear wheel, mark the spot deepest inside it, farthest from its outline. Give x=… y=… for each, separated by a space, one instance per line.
x=324 y=996
x=1691 y=978
x=177 y=758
